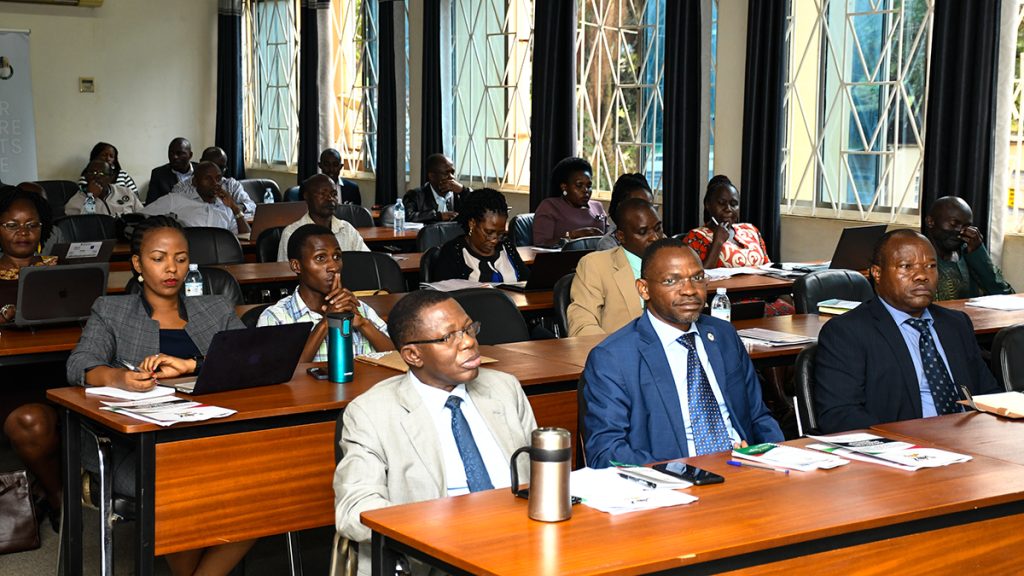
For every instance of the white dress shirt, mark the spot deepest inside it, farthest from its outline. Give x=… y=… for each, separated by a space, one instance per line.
x=231 y=186
x=192 y=212
x=677 y=355
x=348 y=237
x=454 y=470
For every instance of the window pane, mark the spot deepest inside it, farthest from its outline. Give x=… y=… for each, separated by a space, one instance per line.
x=354 y=68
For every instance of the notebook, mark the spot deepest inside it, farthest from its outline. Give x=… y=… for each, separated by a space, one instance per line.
x=547 y=268
x=247 y=358
x=58 y=294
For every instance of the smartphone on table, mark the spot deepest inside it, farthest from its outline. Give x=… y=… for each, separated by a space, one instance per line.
x=698 y=476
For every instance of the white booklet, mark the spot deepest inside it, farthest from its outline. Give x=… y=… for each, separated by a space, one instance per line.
x=111 y=392
x=453 y=284
x=603 y=489
x=167 y=410
x=780 y=456
x=1006 y=302
x=881 y=450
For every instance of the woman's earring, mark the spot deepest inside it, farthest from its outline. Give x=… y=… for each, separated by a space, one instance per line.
x=139 y=278
x=565 y=193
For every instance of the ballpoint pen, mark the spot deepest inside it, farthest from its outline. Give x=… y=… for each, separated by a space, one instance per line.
x=756 y=465
x=641 y=481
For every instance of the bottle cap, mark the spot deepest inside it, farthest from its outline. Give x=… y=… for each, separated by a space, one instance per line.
x=720 y=290
x=193 y=267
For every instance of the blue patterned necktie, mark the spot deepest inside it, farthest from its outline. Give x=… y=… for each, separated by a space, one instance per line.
x=476 y=473
x=943 y=392
x=709 y=433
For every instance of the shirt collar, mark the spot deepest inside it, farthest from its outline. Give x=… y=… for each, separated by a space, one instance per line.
x=667 y=333
x=300 y=309
x=899 y=316
x=434 y=397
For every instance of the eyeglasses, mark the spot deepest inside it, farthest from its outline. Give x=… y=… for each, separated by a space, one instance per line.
x=13 y=226
x=453 y=337
x=697 y=280
x=491 y=235
x=96 y=173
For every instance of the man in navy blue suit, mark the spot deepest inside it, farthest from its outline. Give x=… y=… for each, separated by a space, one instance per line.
x=897 y=356
x=672 y=383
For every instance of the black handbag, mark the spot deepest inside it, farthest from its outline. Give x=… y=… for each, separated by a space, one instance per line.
x=19 y=529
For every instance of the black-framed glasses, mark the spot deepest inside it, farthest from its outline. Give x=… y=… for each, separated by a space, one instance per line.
x=697 y=280
x=29 y=226
x=453 y=337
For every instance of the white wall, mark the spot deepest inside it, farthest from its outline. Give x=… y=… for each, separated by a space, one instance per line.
x=154 y=63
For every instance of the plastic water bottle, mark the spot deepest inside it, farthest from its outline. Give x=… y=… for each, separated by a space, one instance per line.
x=268 y=196
x=194 y=281
x=720 y=306
x=399 y=216
x=90 y=204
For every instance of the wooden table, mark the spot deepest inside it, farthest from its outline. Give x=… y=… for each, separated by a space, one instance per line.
x=525 y=301
x=986 y=320
x=970 y=432
x=859 y=518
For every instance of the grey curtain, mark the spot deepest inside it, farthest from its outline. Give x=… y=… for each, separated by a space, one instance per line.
x=387 y=103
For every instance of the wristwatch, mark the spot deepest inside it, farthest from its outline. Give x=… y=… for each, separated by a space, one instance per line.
x=3 y=311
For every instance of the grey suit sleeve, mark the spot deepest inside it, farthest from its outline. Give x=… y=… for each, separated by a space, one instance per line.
x=96 y=347
x=360 y=480
x=840 y=393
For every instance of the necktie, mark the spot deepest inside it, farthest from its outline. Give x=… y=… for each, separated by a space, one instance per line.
x=709 y=433
x=476 y=472
x=943 y=392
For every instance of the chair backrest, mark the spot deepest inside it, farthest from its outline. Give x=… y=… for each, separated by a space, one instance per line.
x=427 y=263
x=216 y=281
x=803 y=381
x=293 y=194
x=562 y=297
x=437 y=234
x=252 y=315
x=1008 y=357
x=387 y=215
x=521 y=229
x=268 y=243
x=58 y=192
x=256 y=188
x=372 y=271
x=825 y=284
x=211 y=245
x=87 y=227
x=357 y=216
x=586 y=243
x=502 y=321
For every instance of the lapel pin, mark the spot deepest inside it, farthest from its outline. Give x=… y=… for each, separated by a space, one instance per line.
x=711 y=337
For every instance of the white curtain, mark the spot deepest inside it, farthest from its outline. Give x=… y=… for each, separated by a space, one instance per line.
x=999 y=223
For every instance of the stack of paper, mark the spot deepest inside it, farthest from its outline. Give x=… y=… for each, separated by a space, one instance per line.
x=453 y=284
x=836 y=306
x=393 y=359
x=111 y=392
x=998 y=302
x=779 y=456
x=886 y=451
x=723 y=273
x=767 y=337
x=606 y=491
x=1007 y=404
x=164 y=411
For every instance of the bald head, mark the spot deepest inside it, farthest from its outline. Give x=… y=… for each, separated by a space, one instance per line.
x=945 y=225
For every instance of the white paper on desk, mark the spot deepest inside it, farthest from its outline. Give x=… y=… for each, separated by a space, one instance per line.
x=879 y=447
x=604 y=490
x=414 y=225
x=167 y=411
x=723 y=273
x=1005 y=302
x=111 y=392
x=767 y=337
x=454 y=284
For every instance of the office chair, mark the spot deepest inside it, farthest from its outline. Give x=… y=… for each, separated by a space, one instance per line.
x=562 y=298
x=87 y=227
x=252 y=315
x=427 y=263
x=371 y=271
x=500 y=319
x=585 y=243
x=216 y=281
x=1008 y=357
x=825 y=284
x=387 y=215
x=293 y=194
x=521 y=229
x=58 y=192
x=357 y=216
x=804 y=383
x=437 y=234
x=268 y=244
x=211 y=245
x=257 y=188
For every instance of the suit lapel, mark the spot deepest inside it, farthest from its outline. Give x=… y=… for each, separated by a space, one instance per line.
x=710 y=338
x=887 y=327
x=653 y=355
x=493 y=413
x=624 y=280
x=418 y=425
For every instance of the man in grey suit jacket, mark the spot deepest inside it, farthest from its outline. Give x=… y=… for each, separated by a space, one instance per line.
x=405 y=440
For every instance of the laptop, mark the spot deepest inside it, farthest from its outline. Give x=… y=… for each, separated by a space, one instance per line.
x=855 y=246
x=547 y=268
x=276 y=214
x=247 y=358
x=59 y=294
x=84 y=252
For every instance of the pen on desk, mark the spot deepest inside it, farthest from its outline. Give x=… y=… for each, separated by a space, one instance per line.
x=756 y=465
x=647 y=483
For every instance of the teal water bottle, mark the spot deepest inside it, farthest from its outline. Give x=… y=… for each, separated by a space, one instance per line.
x=339 y=347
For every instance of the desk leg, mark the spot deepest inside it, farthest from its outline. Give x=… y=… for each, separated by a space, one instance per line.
x=71 y=533
x=382 y=555
x=145 y=502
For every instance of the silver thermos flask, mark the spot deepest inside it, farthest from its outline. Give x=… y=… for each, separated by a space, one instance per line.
x=550 y=455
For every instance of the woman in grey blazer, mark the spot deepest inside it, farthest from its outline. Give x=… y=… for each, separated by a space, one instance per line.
x=165 y=335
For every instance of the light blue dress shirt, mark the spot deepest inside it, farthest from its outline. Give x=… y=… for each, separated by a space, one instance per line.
x=913 y=340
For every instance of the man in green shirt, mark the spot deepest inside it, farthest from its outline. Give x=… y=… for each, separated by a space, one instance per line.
x=965 y=267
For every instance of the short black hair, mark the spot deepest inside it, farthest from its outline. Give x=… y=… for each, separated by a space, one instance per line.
x=150 y=224
x=565 y=167
x=434 y=161
x=879 y=249
x=212 y=151
x=404 y=319
x=298 y=238
x=11 y=194
x=179 y=140
x=98 y=148
x=479 y=203
x=327 y=151
x=631 y=204
x=658 y=246
x=624 y=186
x=719 y=182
